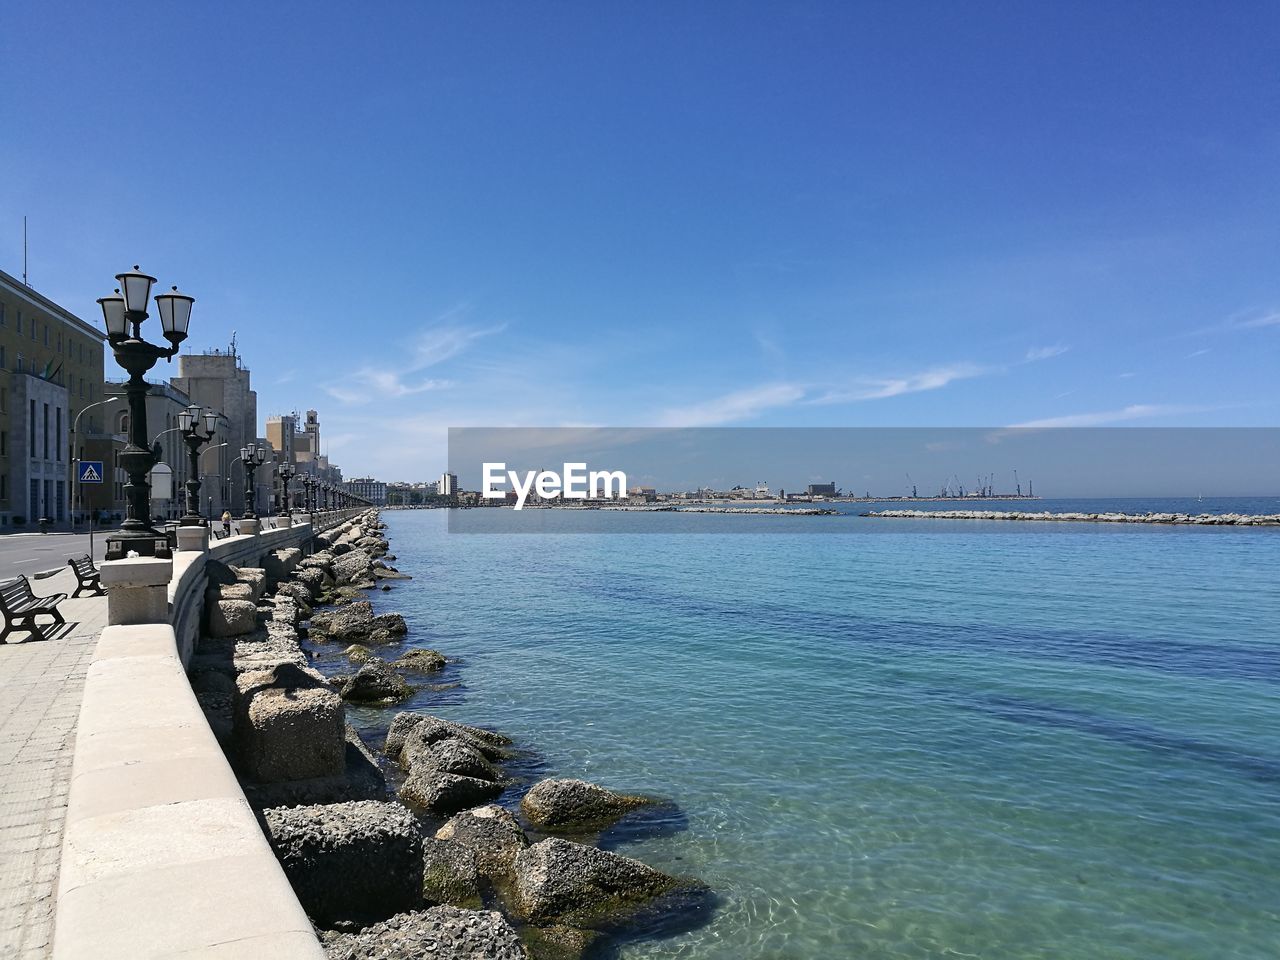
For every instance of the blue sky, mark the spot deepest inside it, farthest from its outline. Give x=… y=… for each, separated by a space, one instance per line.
x=418 y=216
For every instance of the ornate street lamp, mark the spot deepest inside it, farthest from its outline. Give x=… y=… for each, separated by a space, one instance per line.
x=190 y=422
x=253 y=457
x=307 y=505
x=286 y=472
x=137 y=356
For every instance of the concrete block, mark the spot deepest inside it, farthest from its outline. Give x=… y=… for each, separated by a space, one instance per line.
x=232 y=618
x=137 y=590
x=291 y=734
x=359 y=860
x=193 y=539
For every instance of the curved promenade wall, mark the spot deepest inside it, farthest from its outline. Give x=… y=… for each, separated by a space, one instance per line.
x=162 y=855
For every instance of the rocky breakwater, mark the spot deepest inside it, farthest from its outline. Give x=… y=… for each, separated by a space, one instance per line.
x=1201 y=519
x=434 y=866
x=280 y=721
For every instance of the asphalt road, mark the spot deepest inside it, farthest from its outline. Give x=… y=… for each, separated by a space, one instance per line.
x=33 y=553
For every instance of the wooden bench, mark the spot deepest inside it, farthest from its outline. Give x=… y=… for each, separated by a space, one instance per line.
x=88 y=580
x=21 y=606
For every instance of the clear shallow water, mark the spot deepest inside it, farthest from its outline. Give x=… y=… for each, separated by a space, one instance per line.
x=904 y=746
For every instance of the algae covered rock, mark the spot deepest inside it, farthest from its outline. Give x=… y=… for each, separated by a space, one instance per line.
x=557 y=881
x=575 y=805
x=376 y=682
x=421 y=661
x=358 y=653
x=449 y=874
x=491 y=833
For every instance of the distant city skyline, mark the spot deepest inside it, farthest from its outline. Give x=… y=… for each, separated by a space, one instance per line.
x=1052 y=462
x=810 y=214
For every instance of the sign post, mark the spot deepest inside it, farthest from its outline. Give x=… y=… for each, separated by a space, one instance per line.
x=87 y=471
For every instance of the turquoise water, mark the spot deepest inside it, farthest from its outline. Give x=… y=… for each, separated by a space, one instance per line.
x=911 y=745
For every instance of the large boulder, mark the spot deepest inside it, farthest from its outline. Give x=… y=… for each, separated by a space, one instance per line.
x=232 y=618
x=430 y=730
x=376 y=682
x=421 y=661
x=353 y=567
x=444 y=932
x=313 y=580
x=491 y=833
x=289 y=725
x=355 y=623
x=560 y=881
x=449 y=874
x=255 y=577
x=401 y=725
x=454 y=755
x=360 y=860
x=441 y=795
x=575 y=806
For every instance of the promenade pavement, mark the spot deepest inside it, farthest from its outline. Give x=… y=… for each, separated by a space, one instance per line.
x=41 y=684
x=32 y=553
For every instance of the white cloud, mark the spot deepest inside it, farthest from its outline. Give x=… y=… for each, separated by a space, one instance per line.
x=434 y=346
x=368 y=384
x=739 y=405
x=880 y=389
x=1136 y=411
x=1045 y=353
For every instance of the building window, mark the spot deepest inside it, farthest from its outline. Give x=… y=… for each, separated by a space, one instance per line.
x=57 y=437
x=33 y=329
x=22 y=364
x=46 y=333
x=4 y=443
x=4 y=360
x=32 y=422
x=60 y=341
x=3 y=321
x=46 y=431
x=18 y=325
x=4 y=486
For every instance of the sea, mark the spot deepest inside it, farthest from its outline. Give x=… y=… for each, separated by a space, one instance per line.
x=919 y=739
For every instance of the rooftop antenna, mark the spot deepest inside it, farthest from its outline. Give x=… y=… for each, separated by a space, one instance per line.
x=233 y=343
x=24 y=251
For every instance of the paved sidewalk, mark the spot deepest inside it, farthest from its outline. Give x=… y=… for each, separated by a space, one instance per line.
x=41 y=683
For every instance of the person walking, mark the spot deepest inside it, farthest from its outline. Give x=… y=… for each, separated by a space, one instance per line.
x=226 y=522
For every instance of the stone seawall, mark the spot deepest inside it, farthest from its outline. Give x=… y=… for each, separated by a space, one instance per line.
x=162 y=855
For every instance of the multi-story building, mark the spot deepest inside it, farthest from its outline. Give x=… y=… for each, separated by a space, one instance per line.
x=447 y=485
x=218 y=381
x=50 y=373
x=375 y=491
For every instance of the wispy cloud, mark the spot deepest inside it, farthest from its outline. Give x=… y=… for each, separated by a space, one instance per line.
x=1136 y=411
x=434 y=346
x=732 y=407
x=879 y=389
x=1046 y=353
x=1198 y=353
x=1253 y=323
x=368 y=384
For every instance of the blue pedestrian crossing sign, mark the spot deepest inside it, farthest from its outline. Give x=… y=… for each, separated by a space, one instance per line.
x=90 y=471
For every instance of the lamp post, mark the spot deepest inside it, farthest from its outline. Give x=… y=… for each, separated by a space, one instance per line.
x=286 y=472
x=190 y=422
x=137 y=356
x=253 y=457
